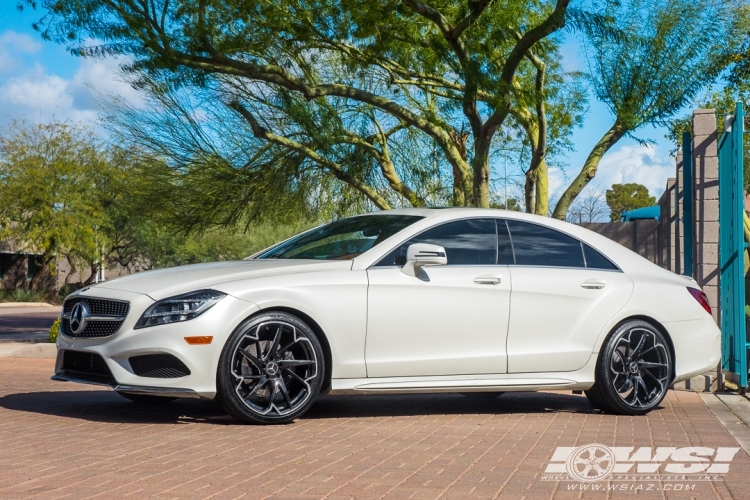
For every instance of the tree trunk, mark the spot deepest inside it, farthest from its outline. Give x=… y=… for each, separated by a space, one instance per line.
x=480 y=166
x=541 y=202
x=588 y=171
x=529 y=191
x=40 y=273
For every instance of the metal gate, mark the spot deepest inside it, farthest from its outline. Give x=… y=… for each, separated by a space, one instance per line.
x=734 y=344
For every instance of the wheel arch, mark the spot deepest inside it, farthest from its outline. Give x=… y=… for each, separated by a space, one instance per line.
x=328 y=357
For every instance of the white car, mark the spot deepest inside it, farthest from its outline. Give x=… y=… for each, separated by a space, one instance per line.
x=414 y=300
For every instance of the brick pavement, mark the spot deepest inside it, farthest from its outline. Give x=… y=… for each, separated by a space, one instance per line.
x=61 y=440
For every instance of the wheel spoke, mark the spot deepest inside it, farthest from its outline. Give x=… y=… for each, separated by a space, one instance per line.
x=293 y=374
x=284 y=392
x=624 y=387
x=255 y=361
x=287 y=363
x=275 y=344
x=272 y=395
x=637 y=350
x=649 y=364
x=257 y=386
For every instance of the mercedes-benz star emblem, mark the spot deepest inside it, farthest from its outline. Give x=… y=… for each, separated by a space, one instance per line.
x=79 y=317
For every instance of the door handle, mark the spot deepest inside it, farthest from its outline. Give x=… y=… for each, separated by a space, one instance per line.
x=488 y=280
x=593 y=284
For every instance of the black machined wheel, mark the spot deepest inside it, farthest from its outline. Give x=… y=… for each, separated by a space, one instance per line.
x=271 y=370
x=633 y=371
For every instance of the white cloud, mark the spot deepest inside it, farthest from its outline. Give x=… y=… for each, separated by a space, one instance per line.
x=641 y=164
x=13 y=44
x=19 y=42
x=40 y=96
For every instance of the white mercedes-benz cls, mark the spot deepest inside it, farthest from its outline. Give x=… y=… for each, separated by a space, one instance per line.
x=415 y=300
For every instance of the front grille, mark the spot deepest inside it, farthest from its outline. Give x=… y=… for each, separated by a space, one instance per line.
x=158 y=366
x=99 y=306
x=96 y=306
x=93 y=329
x=85 y=362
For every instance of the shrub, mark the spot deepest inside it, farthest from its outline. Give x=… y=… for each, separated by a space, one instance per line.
x=53 y=330
x=24 y=295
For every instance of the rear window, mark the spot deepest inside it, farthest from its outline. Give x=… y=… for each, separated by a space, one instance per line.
x=536 y=245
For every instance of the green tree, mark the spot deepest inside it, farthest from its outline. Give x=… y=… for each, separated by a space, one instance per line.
x=55 y=181
x=667 y=52
x=453 y=72
x=624 y=197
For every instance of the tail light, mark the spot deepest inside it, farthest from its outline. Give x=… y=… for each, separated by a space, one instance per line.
x=701 y=297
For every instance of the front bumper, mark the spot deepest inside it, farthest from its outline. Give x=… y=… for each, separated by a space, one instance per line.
x=201 y=360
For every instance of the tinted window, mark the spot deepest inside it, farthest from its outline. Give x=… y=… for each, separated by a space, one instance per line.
x=504 y=247
x=466 y=242
x=536 y=245
x=595 y=260
x=343 y=239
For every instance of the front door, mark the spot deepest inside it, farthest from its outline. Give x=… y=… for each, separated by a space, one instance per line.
x=449 y=320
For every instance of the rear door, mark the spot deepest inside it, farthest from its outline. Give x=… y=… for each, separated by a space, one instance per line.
x=564 y=294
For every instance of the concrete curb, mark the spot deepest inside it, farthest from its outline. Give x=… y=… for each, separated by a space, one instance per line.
x=26 y=350
x=25 y=304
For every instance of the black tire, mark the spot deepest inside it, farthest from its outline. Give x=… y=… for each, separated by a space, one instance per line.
x=633 y=371
x=146 y=399
x=271 y=370
x=482 y=395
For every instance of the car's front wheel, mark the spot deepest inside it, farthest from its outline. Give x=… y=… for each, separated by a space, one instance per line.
x=270 y=370
x=633 y=370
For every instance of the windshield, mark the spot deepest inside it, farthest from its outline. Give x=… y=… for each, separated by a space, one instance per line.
x=343 y=239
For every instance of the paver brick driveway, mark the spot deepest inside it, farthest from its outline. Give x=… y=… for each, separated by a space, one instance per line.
x=71 y=441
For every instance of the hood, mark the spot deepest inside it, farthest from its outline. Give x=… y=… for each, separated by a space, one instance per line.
x=164 y=283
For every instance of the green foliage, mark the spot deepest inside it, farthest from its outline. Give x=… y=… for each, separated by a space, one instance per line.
x=724 y=101
x=54 y=330
x=352 y=92
x=668 y=52
x=624 y=197
x=664 y=53
x=55 y=182
x=151 y=246
x=23 y=295
x=509 y=204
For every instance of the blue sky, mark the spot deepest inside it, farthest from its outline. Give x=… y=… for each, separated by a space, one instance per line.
x=39 y=80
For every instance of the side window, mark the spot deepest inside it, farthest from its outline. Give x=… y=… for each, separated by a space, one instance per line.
x=595 y=260
x=536 y=245
x=466 y=242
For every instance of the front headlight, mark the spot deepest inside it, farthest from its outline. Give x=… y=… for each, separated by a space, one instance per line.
x=179 y=308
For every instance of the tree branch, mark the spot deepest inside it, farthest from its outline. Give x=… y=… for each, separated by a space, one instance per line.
x=336 y=169
x=554 y=22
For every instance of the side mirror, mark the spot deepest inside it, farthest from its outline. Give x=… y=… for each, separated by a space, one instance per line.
x=419 y=255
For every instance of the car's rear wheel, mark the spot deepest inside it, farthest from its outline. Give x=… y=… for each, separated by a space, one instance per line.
x=633 y=370
x=270 y=370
